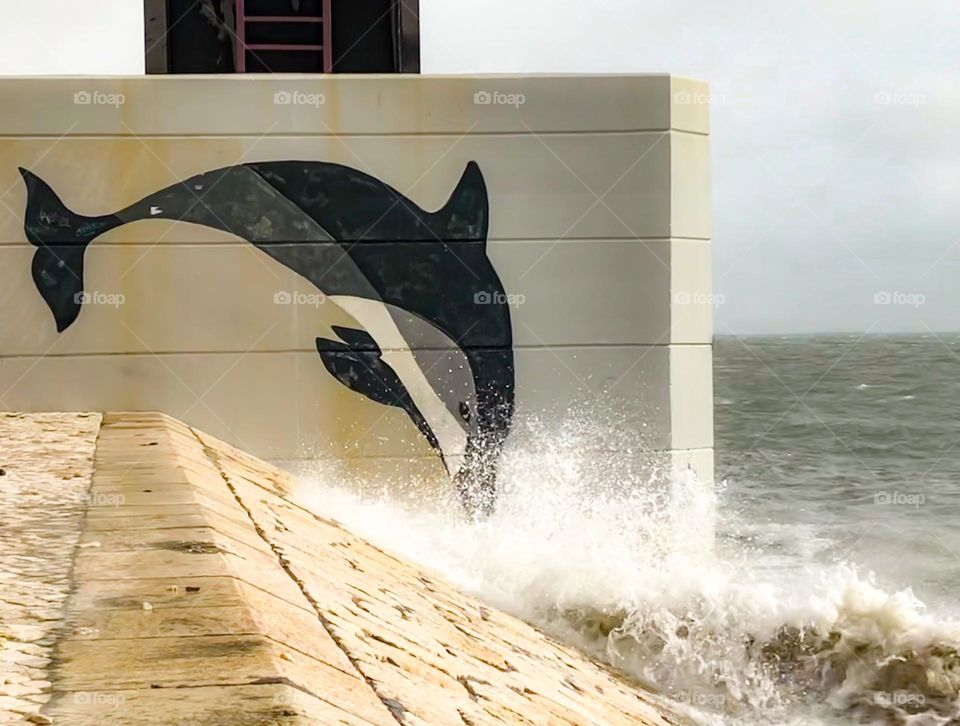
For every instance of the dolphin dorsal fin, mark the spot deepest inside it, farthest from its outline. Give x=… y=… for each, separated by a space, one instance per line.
x=466 y=214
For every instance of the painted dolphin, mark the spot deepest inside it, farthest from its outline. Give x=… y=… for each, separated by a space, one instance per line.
x=419 y=282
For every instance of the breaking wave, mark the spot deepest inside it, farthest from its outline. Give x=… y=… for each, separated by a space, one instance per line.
x=733 y=622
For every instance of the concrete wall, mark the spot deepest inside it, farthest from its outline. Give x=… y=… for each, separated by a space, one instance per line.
x=570 y=262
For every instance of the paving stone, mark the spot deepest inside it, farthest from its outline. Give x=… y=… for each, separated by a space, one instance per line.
x=48 y=459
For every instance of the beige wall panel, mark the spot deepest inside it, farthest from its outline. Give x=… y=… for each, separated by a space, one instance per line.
x=559 y=299
x=690 y=180
x=142 y=296
x=620 y=390
x=276 y=405
x=538 y=188
x=699 y=462
x=246 y=398
x=691 y=396
x=234 y=297
x=287 y=406
x=339 y=104
x=692 y=301
x=691 y=100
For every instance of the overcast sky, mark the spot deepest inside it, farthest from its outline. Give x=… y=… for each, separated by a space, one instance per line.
x=836 y=157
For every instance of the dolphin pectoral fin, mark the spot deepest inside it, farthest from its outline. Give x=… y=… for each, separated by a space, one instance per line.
x=357 y=339
x=421 y=423
x=363 y=371
x=324 y=345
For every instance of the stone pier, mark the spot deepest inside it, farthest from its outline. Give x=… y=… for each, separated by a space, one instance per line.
x=151 y=574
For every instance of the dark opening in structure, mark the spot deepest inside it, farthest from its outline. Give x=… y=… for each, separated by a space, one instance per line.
x=282 y=36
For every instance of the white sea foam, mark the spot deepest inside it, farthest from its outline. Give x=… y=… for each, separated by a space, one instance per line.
x=611 y=553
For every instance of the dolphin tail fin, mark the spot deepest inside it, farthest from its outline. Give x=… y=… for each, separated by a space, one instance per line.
x=61 y=237
x=466 y=214
x=49 y=222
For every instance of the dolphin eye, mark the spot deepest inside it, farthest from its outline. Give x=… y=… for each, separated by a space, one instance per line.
x=464 y=411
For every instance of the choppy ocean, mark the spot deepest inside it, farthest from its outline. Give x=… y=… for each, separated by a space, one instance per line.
x=830 y=593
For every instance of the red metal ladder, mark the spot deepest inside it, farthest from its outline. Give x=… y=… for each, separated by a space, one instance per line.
x=325 y=46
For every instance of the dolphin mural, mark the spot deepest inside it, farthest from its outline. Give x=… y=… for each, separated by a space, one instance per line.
x=437 y=339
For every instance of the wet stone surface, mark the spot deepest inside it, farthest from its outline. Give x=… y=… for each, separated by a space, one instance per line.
x=47 y=463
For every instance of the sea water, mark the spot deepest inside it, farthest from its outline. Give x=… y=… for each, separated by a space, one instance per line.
x=816 y=583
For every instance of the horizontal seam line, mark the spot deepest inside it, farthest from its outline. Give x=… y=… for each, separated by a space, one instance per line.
x=313 y=351
x=257 y=133
x=167 y=243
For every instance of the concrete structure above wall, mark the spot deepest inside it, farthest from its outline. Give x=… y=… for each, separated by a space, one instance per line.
x=582 y=201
